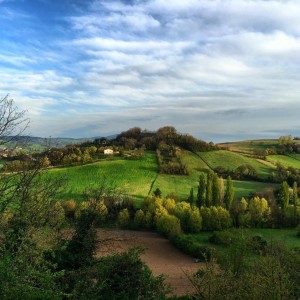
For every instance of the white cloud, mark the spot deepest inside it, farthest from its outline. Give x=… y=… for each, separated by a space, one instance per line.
x=194 y=64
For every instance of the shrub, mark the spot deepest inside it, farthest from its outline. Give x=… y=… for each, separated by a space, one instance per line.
x=124 y=218
x=69 y=208
x=188 y=246
x=121 y=276
x=298 y=230
x=139 y=219
x=221 y=238
x=168 y=225
x=258 y=244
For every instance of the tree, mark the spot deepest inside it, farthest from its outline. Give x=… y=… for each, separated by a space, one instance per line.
x=209 y=189
x=216 y=190
x=120 y=276
x=284 y=196
x=124 y=218
x=295 y=200
x=229 y=194
x=201 y=190
x=12 y=121
x=221 y=190
x=157 y=193
x=239 y=208
x=191 y=197
x=259 y=211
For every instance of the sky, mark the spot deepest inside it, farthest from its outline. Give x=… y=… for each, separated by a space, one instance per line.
x=221 y=70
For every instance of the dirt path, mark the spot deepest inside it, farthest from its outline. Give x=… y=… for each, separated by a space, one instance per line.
x=160 y=255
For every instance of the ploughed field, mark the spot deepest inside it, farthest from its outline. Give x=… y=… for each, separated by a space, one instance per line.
x=159 y=254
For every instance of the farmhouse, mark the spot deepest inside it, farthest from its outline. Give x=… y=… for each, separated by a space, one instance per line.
x=108 y=151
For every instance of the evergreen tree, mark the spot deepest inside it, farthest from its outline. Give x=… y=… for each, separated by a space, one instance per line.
x=201 y=190
x=216 y=190
x=209 y=189
x=191 y=197
x=229 y=194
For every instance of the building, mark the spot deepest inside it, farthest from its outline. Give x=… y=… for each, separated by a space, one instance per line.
x=108 y=151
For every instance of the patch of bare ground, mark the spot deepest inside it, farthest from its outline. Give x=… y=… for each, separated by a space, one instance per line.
x=160 y=255
x=267 y=163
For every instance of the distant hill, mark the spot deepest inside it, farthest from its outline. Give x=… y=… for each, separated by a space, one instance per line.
x=31 y=143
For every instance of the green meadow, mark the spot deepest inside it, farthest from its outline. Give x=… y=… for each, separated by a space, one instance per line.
x=181 y=185
x=249 y=146
x=230 y=160
x=287 y=161
x=288 y=236
x=133 y=177
x=139 y=178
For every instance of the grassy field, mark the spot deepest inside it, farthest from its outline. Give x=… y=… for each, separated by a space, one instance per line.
x=286 y=236
x=230 y=160
x=286 y=161
x=295 y=156
x=243 y=188
x=133 y=177
x=181 y=185
x=137 y=177
x=249 y=146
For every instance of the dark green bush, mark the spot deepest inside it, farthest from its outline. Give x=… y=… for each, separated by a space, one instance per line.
x=221 y=238
x=190 y=247
x=258 y=244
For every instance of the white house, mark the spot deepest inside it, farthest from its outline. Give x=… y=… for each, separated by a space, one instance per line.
x=108 y=151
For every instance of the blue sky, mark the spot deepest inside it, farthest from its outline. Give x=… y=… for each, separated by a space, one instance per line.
x=220 y=70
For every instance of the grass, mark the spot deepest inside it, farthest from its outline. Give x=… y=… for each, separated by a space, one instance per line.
x=243 y=188
x=181 y=185
x=133 y=177
x=249 y=146
x=286 y=161
x=139 y=177
x=286 y=235
x=230 y=160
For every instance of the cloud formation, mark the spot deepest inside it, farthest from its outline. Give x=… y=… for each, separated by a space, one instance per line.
x=217 y=69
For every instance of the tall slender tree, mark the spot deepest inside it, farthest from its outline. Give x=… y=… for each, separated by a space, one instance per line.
x=191 y=197
x=216 y=190
x=229 y=194
x=201 y=190
x=295 y=200
x=209 y=189
x=284 y=196
x=221 y=190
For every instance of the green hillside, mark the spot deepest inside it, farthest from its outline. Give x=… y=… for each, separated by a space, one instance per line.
x=181 y=185
x=287 y=161
x=230 y=160
x=138 y=178
x=133 y=177
x=249 y=146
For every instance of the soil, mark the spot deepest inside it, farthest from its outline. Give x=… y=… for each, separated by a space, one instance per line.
x=160 y=255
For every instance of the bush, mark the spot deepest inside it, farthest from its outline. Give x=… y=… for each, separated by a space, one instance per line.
x=168 y=225
x=124 y=218
x=98 y=208
x=69 y=208
x=221 y=238
x=121 y=276
x=298 y=230
x=139 y=219
x=258 y=244
x=188 y=246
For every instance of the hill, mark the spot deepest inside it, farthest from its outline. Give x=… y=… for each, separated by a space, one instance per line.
x=37 y=144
